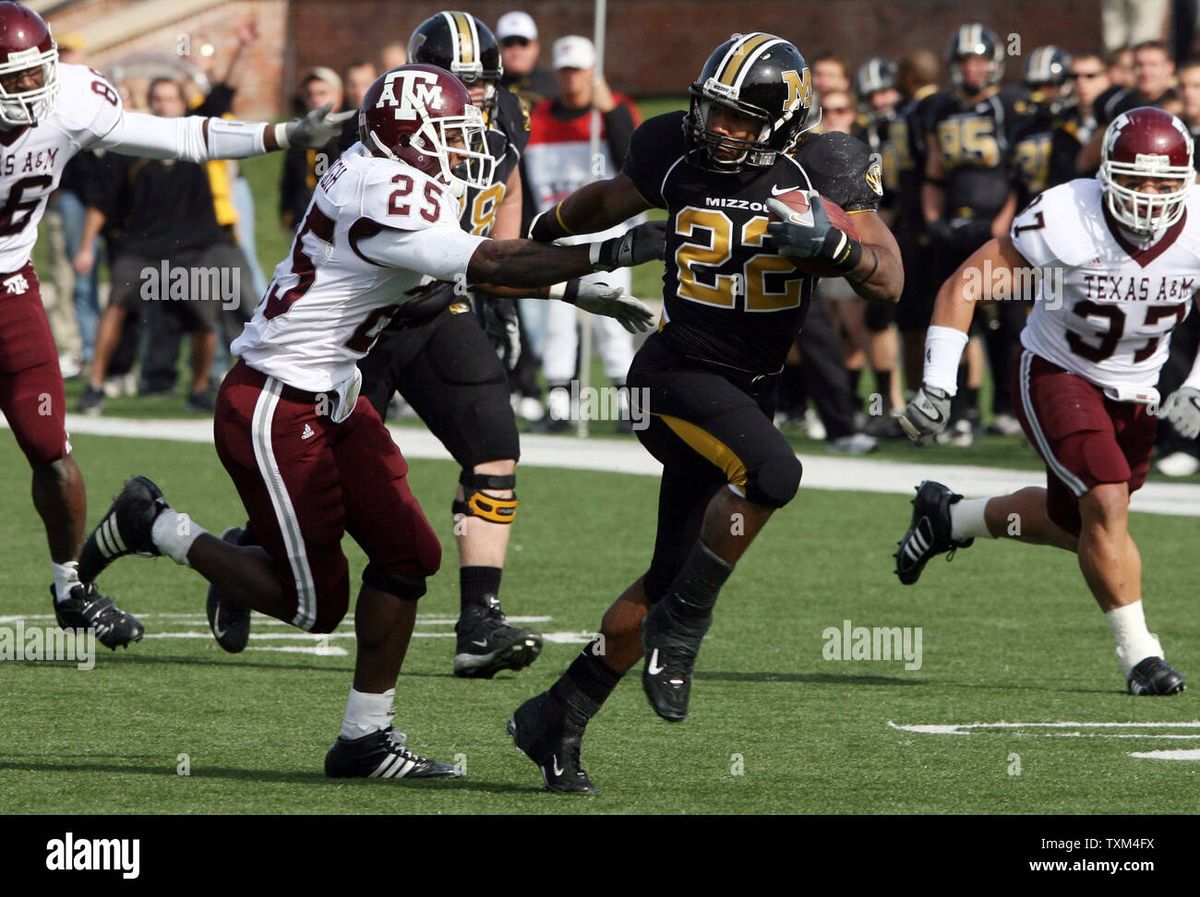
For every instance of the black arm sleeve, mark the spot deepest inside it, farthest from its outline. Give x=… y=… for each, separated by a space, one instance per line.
x=655 y=146
x=844 y=170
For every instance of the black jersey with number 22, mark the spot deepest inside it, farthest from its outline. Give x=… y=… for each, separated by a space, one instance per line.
x=729 y=297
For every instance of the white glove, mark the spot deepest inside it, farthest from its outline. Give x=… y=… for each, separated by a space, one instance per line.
x=1182 y=411
x=314 y=130
x=926 y=415
x=610 y=301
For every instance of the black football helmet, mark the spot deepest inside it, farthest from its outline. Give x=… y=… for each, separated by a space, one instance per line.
x=1046 y=77
x=761 y=76
x=874 y=75
x=976 y=40
x=462 y=45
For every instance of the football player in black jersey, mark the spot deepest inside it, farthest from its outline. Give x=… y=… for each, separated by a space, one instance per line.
x=966 y=194
x=734 y=289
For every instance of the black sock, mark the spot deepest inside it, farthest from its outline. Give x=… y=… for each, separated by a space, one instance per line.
x=855 y=377
x=696 y=587
x=586 y=685
x=476 y=583
x=883 y=386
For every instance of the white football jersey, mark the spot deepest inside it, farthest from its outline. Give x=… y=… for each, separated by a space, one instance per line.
x=32 y=159
x=1105 y=307
x=376 y=233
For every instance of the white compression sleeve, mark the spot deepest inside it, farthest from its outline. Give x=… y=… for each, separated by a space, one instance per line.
x=139 y=134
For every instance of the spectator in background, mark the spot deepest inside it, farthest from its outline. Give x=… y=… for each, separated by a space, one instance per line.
x=1119 y=66
x=162 y=217
x=1153 y=85
x=837 y=111
x=392 y=55
x=1089 y=79
x=1129 y=22
x=303 y=167
x=829 y=73
x=557 y=162
x=519 y=51
x=356 y=79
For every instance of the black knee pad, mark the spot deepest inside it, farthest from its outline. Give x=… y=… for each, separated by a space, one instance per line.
x=486 y=507
x=775 y=481
x=407 y=587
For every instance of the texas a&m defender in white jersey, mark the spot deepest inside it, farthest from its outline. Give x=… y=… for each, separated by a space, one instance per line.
x=1119 y=263
x=48 y=113
x=310 y=457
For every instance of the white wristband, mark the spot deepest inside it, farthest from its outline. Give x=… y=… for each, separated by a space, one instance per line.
x=594 y=253
x=281 y=137
x=943 y=352
x=558 y=291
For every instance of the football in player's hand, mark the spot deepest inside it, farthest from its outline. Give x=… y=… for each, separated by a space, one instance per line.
x=798 y=201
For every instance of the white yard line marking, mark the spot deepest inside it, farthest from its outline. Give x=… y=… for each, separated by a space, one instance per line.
x=624 y=456
x=1098 y=729
x=1192 y=755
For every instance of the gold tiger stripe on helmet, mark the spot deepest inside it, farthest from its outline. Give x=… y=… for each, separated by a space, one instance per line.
x=738 y=55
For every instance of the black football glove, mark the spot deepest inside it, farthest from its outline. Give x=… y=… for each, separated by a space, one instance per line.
x=644 y=243
x=504 y=329
x=812 y=236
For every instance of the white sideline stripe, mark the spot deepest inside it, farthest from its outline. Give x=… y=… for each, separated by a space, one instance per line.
x=1100 y=729
x=260 y=620
x=558 y=638
x=1193 y=755
x=624 y=456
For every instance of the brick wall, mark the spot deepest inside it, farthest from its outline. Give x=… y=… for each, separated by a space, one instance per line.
x=658 y=46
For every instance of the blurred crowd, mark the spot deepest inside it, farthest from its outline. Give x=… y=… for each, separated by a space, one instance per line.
x=962 y=151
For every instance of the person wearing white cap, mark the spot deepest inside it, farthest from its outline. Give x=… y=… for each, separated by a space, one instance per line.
x=519 y=51
x=558 y=161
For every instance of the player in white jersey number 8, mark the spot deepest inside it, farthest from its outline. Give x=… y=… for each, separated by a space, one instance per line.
x=1117 y=259
x=49 y=112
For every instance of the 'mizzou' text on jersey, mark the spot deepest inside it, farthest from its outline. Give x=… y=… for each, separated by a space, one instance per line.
x=721 y=202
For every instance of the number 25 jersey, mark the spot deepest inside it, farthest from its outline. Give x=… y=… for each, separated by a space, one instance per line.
x=729 y=296
x=1105 y=307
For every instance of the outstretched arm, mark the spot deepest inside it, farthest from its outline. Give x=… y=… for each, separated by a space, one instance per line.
x=590 y=209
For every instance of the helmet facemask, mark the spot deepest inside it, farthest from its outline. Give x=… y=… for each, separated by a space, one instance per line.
x=28 y=107
x=1146 y=213
x=463 y=136
x=755 y=153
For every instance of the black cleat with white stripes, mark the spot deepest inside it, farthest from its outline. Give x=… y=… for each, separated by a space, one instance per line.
x=1154 y=676
x=125 y=529
x=86 y=608
x=929 y=531
x=382 y=755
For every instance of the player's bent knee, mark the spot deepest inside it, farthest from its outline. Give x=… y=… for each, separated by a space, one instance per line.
x=484 y=505
x=410 y=588
x=775 y=482
x=1105 y=505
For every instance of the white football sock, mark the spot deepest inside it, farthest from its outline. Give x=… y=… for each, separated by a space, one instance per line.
x=967 y=519
x=173 y=534
x=1134 y=642
x=66 y=577
x=367 y=713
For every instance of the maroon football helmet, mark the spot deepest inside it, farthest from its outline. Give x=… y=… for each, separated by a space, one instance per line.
x=421 y=115
x=25 y=43
x=1146 y=143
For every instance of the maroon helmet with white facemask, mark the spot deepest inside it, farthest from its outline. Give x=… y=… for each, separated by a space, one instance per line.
x=1141 y=144
x=26 y=46
x=422 y=116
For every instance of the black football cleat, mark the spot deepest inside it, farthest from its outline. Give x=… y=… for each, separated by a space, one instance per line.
x=551 y=740
x=670 y=653
x=86 y=608
x=382 y=755
x=487 y=644
x=229 y=621
x=1154 y=677
x=124 y=530
x=929 y=531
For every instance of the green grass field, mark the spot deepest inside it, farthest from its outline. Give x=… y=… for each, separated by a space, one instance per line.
x=1009 y=633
